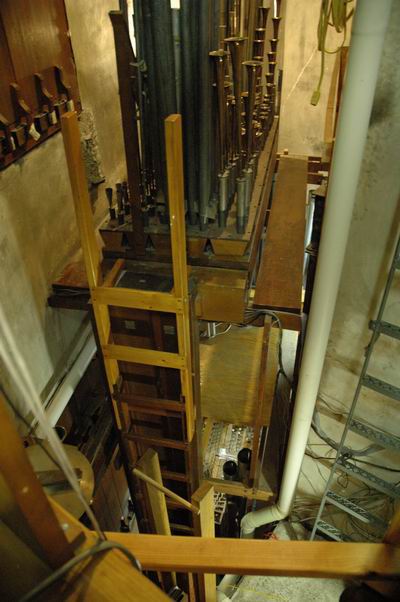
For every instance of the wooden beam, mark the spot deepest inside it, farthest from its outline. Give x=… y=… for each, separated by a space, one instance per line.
x=148 y=357
x=240 y=490
x=174 y=156
x=204 y=526
x=318 y=559
x=261 y=402
x=80 y=195
x=280 y=277
x=127 y=71
x=150 y=466
x=137 y=299
x=28 y=495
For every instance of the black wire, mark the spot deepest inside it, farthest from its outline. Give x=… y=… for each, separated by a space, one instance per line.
x=388 y=468
x=60 y=572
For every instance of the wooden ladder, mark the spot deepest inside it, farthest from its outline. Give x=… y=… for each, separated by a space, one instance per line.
x=105 y=294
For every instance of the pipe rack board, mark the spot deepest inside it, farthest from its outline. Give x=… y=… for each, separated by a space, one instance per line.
x=229 y=375
x=280 y=277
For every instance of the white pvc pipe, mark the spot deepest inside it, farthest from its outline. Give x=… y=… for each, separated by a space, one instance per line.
x=369 y=26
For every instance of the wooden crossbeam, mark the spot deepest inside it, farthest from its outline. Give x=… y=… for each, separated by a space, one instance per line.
x=157 y=442
x=148 y=357
x=137 y=299
x=259 y=557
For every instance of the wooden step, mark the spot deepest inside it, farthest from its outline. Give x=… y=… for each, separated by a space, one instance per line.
x=152 y=405
x=156 y=441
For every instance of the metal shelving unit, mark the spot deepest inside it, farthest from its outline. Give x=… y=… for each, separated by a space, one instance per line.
x=345 y=461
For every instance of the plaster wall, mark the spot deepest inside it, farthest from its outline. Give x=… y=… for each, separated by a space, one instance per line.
x=373 y=235
x=38 y=232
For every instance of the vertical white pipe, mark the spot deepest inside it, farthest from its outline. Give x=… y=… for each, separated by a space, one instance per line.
x=369 y=26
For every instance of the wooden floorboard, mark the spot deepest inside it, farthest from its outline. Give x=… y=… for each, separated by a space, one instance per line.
x=280 y=277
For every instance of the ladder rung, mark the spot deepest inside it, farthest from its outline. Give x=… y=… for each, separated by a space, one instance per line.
x=137 y=299
x=151 y=405
x=173 y=505
x=332 y=531
x=390 y=330
x=148 y=357
x=181 y=528
x=379 y=437
x=169 y=475
x=157 y=442
x=368 y=478
x=382 y=387
x=355 y=510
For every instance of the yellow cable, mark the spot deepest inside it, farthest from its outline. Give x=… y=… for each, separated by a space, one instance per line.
x=333 y=13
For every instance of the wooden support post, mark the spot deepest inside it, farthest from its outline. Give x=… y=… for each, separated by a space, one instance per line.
x=205 y=527
x=28 y=494
x=258 y=423
x=173 y=142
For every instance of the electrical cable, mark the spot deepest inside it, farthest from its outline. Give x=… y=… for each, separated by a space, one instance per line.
x=98 y=548
x=333 y=13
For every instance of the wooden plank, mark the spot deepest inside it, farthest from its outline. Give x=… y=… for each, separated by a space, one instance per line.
x=28 y=495
x=144 y=403
x=317 y=559
x=150 y=466
x=147 y=357
x=240 y=490
x=280 y=277
x=137 y=299
x=229 y=370
x=157 y=441
x=204 y=526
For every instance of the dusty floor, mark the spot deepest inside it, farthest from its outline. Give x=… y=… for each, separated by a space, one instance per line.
x=287 y=589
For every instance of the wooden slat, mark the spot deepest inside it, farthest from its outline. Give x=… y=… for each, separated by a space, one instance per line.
x=150 y=466
x=148 y=404
x=157 y=442
x=28 y=495
x=148 y=357
x=259 y=557
x=137 y=299
x=240 y=490
x=280 y=277
x=204 y=526
x=174 y=476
